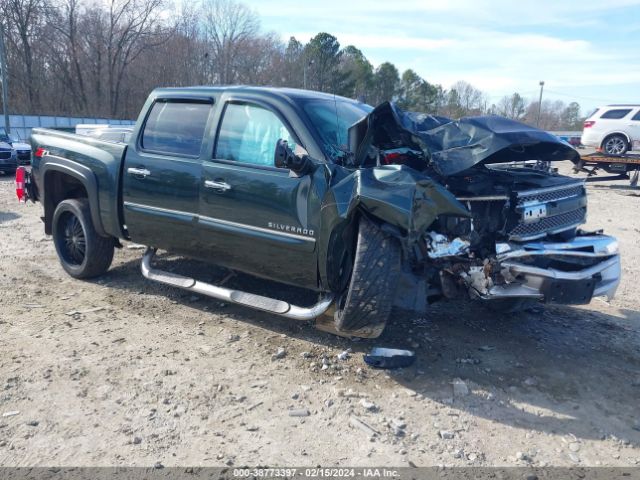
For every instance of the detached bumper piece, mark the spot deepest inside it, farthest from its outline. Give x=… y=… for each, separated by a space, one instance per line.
x=566 y=273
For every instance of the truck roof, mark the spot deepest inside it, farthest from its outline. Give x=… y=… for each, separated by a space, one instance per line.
x=279 y=92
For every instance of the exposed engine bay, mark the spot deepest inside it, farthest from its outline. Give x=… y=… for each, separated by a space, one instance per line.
x=514 y=208
x=519 y=235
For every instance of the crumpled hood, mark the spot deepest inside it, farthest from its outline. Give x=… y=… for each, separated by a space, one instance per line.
x=450 y=147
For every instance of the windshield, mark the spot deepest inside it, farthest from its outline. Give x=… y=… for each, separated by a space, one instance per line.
x=332 y=120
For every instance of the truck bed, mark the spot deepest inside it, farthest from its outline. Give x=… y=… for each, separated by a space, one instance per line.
x=99 y=161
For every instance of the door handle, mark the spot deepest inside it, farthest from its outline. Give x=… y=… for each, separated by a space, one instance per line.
x=139 y=172
x=217 y=185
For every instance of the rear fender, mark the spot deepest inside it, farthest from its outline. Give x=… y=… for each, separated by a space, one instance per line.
x=83 y=175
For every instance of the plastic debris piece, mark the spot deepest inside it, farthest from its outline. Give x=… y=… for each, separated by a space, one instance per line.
x=380 y=357
x=344 y=355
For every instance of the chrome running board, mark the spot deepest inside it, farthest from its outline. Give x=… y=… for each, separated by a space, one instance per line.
x=258 y=302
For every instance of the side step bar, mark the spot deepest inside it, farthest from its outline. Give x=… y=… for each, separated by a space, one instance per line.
x=258 y=302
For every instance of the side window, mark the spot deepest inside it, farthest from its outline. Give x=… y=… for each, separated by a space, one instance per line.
x=616 y=114
x=176 y=127
x=249 y=134
x=636 y=117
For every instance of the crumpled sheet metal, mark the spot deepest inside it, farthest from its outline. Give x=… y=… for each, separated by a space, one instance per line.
x=451 y=147
x=397 y=195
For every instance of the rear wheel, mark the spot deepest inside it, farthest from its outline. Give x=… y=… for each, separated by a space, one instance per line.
x=366 y=304
x=615 y=145
x=82 y=252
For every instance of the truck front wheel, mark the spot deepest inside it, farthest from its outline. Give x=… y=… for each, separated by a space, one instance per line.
x=363 y=309
x=82 y=252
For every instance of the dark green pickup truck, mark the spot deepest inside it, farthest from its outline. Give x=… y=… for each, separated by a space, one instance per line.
x=370 y=208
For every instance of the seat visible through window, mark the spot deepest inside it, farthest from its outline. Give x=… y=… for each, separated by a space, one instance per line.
x=249 y=134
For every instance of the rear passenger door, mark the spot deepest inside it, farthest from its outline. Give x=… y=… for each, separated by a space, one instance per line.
x=161 y=177
x=255 y=217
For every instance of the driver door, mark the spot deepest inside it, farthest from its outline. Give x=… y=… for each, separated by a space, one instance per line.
x=254 y=217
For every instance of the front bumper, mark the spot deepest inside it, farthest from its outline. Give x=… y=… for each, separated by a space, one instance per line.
x=567 y=272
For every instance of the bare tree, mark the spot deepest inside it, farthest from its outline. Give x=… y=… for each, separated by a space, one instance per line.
x=464 y=99
x=23 y=19
x=134 y=26
x=228 y=28
x=512 y=106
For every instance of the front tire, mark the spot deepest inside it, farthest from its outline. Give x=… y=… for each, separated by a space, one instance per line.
x=365 y=306
x=615 y=145
x=82 y=252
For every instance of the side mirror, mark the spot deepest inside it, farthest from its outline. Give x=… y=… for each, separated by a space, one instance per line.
x=284 y=157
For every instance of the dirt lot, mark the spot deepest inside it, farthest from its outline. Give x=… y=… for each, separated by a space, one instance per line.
x=121 y=371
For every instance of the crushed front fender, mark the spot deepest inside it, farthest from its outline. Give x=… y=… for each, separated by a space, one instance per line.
x=394 y=195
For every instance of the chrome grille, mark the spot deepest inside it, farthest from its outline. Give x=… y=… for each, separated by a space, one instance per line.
x=550 y=194
x=544 y=226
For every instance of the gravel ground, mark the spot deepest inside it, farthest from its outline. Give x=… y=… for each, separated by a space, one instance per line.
x=122 y=371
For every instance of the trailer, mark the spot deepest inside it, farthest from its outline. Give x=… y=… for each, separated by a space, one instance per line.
x=621 y=167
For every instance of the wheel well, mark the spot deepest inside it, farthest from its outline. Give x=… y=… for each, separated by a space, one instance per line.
x=341 y=246
x=58 y=187
x=622 y=134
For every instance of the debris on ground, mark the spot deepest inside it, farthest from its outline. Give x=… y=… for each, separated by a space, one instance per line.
x=460 y=388
x=367 y=405
x=446 y=434
x=88 y=310
x=365 y=427
x=380 y=357
x=344 y=355
x=486 y=348
x=280 y=354
x=299 y=412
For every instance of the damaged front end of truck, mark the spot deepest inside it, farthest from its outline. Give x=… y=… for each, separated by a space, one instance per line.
x=477 y=207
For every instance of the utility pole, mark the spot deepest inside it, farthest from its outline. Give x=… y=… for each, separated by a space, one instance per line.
x=540 y=103
x=3 y=77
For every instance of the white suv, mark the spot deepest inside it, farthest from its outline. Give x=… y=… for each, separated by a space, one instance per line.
x=615 y=129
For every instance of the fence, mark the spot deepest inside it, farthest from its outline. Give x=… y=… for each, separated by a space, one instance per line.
x=22 y=124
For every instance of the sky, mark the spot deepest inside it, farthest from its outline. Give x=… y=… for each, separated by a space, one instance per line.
x=586 y=51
